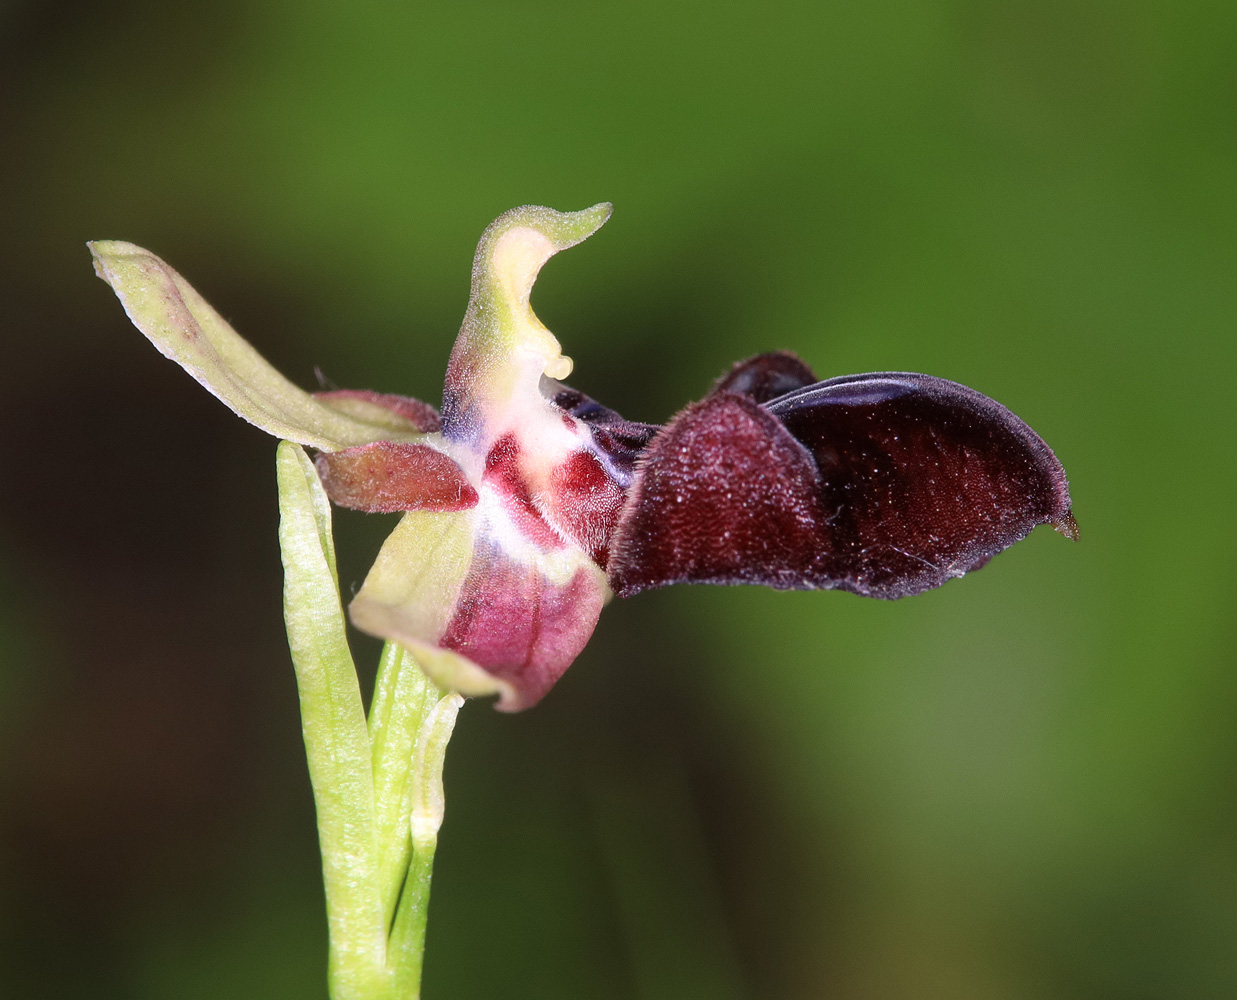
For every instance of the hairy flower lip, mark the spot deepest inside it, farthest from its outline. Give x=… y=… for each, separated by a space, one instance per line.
x=884 y=385
x=885 y=484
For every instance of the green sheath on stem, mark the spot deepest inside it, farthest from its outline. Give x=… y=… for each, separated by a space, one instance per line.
x=407 y=945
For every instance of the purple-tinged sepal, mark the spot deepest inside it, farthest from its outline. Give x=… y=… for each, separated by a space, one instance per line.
x=484 y=608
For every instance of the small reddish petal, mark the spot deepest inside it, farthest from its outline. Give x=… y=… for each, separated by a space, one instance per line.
x=723 y=495
x=422 y=416
x=389 y=476
x=519 y=626
x=585 y=503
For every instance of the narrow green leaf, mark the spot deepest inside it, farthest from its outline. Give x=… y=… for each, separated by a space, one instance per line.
x=337 y=741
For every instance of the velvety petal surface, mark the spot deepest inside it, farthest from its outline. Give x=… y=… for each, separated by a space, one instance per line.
x=723 y=495
x=909 y=480
x=184 y=327
x=922 y=478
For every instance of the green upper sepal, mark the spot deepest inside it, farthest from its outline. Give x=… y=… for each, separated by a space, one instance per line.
x=184 y=327
x=503 y=349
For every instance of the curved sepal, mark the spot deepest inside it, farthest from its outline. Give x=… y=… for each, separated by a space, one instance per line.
x=503 y=349
x=183 y=326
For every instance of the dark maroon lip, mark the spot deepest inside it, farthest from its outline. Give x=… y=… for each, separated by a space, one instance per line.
x=884 y=484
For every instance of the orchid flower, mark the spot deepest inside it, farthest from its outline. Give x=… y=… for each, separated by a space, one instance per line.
x=527 y=504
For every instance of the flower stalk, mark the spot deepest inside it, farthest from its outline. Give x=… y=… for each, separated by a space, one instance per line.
x=377 y=782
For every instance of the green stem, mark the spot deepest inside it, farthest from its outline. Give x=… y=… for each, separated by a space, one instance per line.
x=377 y=783
x=407 y=944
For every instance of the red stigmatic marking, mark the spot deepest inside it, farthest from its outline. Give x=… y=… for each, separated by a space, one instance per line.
x=502 y=473
x=584 y=500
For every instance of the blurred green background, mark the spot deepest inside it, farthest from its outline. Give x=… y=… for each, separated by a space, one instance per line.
x=1020 y=786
